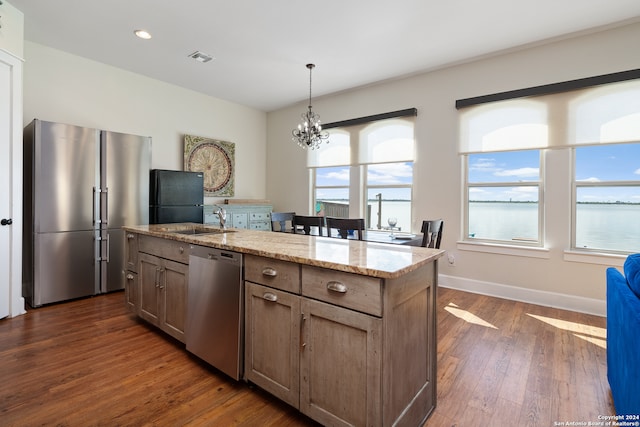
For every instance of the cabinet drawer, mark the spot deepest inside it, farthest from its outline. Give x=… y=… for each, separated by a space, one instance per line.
x=260 y=225
x=260 y=216
x=348 y=290
x=240 y=221
x=278 y=274
x=168 y=249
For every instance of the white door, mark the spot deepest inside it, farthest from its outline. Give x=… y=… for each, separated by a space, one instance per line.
x=11 y=300
x=5 y=188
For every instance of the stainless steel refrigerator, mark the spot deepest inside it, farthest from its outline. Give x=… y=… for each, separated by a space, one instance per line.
x=81 y=186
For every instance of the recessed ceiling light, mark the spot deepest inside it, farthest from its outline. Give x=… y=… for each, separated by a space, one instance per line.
x=143 y=34
x=201 y=56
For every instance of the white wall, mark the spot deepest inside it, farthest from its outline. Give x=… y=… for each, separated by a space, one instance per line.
x=70 y=89
x=11 y=29
x=556 y=279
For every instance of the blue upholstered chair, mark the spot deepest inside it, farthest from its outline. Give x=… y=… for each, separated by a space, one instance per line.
x=623 y=336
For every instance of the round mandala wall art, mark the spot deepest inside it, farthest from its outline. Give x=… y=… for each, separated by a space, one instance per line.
x=215 y=159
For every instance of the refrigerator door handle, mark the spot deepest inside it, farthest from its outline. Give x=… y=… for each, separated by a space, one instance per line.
x=106 y=206
x=108 y=248
x=96 y=203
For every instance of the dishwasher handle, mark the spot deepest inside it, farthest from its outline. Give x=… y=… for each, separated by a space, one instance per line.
x=215 y=254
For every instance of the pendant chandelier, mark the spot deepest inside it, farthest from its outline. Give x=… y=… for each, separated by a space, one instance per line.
x=309 y=133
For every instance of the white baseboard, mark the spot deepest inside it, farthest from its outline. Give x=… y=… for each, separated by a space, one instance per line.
x=531 y=296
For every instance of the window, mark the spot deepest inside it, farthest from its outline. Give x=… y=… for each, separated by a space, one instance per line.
x=504 y=141
x=607 y=198
x=503 y=197
x=384 y=146
x=389 y=195
x=330 y=175
x=503 y=188
x=366 y=171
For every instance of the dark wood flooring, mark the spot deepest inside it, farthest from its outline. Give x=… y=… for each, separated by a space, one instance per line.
x=90 y=363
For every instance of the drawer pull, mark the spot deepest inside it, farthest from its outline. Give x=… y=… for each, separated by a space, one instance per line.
x=129 y=276
x=337 y=287
x=130 y=236
x=268 y=271
x=181 y=250
x=268 y=296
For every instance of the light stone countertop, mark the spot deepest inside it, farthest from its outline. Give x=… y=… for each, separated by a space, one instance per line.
x=367 y=258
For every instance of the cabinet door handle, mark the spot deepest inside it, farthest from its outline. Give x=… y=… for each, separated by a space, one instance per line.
x=268 y=271
x=181 y=250
x=302 y=343
x=130 y=236
x=268 y=296
x=157 y=278
x=129 y=276
x=337 y=287
x=161 y=285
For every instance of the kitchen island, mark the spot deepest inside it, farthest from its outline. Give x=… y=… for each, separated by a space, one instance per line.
x=343 y=330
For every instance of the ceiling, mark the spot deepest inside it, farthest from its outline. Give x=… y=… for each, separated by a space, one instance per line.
x=261 y=47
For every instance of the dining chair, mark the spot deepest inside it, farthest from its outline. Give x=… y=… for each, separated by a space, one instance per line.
x=343 y=225
x=432 y=233
x=281 y=219
x=307 y=222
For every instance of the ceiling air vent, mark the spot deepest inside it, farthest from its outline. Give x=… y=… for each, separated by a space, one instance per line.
x=201 y=56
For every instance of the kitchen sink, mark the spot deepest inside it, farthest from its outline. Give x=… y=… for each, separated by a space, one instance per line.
x=195 y=231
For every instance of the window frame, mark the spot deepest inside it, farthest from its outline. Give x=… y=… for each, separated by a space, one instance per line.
x=576 y=184
x=367 y=187
x=540 y=183
x=358 y=184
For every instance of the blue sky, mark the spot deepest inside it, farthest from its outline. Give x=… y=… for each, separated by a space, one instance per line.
x=594 y=164
x=382 y=174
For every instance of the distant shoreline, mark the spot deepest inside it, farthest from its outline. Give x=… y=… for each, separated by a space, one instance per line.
x=533 y=202
x=500 y=201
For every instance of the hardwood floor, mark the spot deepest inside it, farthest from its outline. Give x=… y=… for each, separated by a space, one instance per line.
x=90 y=363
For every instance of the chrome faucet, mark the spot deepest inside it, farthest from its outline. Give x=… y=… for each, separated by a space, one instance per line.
x=222 y=215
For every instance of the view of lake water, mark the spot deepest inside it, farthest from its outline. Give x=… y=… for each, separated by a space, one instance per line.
x=396 y=209
x=605 y=226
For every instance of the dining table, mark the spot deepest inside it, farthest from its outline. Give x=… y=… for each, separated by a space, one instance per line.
x=378 y=236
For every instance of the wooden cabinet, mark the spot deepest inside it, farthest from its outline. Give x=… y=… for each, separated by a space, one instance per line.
x=157 y=290
x=131 y=252
x=343 y=348
x=272 y=341
x=341 y=357
x=340 y=365
x=132 y=291
x=131 y=284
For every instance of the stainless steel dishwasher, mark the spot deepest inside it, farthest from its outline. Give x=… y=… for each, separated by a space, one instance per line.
x=214 y=310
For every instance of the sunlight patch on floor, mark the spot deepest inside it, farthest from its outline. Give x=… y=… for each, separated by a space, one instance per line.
x=600 y=342
x=467 y=316
x=592 y=334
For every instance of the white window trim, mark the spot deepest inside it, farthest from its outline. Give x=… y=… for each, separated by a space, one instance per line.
x=504 y=249
x=541 y=207
x=589 y=254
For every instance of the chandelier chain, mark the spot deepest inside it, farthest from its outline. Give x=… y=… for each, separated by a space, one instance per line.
x=310 y=66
